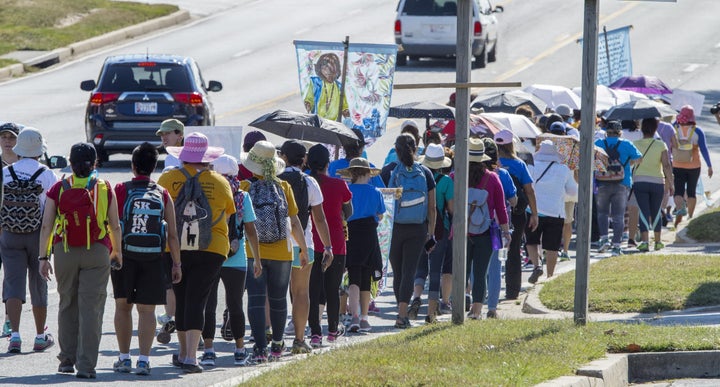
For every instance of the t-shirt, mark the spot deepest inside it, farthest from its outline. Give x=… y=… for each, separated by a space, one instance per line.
x=219 y=195
x=239 y=259
x=280 y=250
x=651 y=164
x=627 y=152
x=24 y=169
x=344 y=163
x=509 y=188
x=367 y=201
x=315 y=198
x=171 y=162
x=335 y=192
x=444 y=192
x=516 y=168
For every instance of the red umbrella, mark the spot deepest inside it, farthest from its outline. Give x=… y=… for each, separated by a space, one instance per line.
x=646 y=84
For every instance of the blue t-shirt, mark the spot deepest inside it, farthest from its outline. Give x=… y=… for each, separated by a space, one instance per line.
x=517 y=168
x=344 y=163
x=239 y=260
x=367 y=201
x=627 y=151
x=509 y=188
x=444 y=192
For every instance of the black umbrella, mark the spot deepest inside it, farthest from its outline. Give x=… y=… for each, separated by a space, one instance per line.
x=507 y=102
x=303 y=126
x=422 y=110
x=639 y=109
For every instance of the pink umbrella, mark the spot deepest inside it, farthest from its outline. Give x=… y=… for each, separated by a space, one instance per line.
x=646 y=84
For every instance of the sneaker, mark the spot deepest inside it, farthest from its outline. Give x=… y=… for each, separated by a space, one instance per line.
x=659 y=246
x=414 y=308
x=268 y=334
x=431 y=318
x=123 y=366
x=492 y=314
x=445 y=308
x=643 y=247
x=86 y=375
x=168 y=327
x=680 y=211
x=208 y=359
x=631 y=243
x=299 y=347
x=142 y=367
x=333 y=336
x=225 y=330
x=6 y=330
x=346 y=319
x=15 y=345
x=316 y=341
x=355 y=324
x=240 y=357
x=372 y=308
x=192 y=368
x=276 y=351
x=604 y=245
x=259 y=355
x=44 y=343
x=163 y=337
x=365 y=326
x=176 y=361
x=537 y=272
x=527 y=263
x=403 y=323
x=290 y=328
x=616 y=250
x=564 y=256
x=66 y=367
x=162 y=319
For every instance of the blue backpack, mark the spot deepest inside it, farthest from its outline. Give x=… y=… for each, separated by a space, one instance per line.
x=412 y=208
x=143 y=223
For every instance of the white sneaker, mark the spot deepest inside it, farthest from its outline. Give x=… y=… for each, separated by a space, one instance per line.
x=290 y=328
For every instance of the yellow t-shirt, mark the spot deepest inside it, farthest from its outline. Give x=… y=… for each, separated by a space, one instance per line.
x=280 y=250
x=217 y=190
x=651 y=164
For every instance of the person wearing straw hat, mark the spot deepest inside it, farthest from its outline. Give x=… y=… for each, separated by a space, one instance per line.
x=273 y=263
x=437 y=263
x=363 y=260
x=200 y=267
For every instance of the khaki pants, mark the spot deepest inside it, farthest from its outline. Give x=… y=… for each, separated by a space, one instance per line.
x=82 y=278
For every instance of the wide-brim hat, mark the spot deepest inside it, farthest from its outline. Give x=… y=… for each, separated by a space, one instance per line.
x=434 y=157
x=195 y=149
x=476 y=151
x=261 y=157
x=30 y=143
x=358 y=163
x=547 y=152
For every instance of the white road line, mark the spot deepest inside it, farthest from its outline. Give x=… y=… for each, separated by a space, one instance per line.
x=692 y=67
x=301 y=31
x=355 y=11
x=241 y=53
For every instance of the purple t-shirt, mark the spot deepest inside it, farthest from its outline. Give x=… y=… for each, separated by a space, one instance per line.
x=666 y=132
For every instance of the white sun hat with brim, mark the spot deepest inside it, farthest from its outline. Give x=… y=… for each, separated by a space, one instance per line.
x=263 y=160
x=434 y=157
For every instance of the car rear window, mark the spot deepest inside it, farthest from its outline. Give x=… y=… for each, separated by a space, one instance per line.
x=145 y=76
x=430 y=8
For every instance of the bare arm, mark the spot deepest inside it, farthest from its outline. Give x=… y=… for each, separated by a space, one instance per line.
x=347 y=209
x=318 y=217
x=530 y=192
x=298 y=234
x=431 y=213
x=173 y=241
x=668 y=171
x=46 y=229
x=114 y=230
x=251 y=237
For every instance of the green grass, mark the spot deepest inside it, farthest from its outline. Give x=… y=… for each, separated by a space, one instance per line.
x=47 y=24
x=706 y=227
x=642 y=283
x=486 y=353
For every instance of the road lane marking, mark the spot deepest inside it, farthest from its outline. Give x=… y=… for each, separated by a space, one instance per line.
x=693 y=66
x=242 y=53
x=301 y=31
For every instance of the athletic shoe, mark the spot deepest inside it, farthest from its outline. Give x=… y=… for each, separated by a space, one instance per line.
x=192 y=368
x=162 y=319
x=492 y=314
x=643 y=247
x=208 y=359
x=316 y=341
x=445 y=308
x=527 y=263
x=240 y=357
x=66 y=367
x=355 y=324
x=346 y=319
x=86 y=375
x=300 y=346
x=616 y=250
x=6 y=330
x=680 y=211
x=168 y=327
x=333 y=336
x=44 y=343
x=537 y=272
x=276 y=351
x=564 y=256
x=414 y=308
x=259 y=355
x=431 y=318
x=659 y=246
x=290 y=328
x=15 y=345
x=403 y=323
x=123 y=366
x=142 y=367
x=176 y=361
x=268 y=334
x=631 y=243
x=225 y=330
x=372 y=308
x=365 y=326
x=604 y=245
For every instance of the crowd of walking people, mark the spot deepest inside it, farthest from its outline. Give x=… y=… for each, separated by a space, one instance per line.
x=289 y=219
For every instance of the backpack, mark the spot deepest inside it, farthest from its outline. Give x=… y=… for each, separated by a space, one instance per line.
x=271 y=210
x=615 y=172
x=21 y=211
x=193 y=214
x=413 y=204
x=684 y=151
x=142 y=222
x=239 y=200
x=522 y=198
x=478 y=211
x=78 y=214
x=299 y=186
x=440 y=216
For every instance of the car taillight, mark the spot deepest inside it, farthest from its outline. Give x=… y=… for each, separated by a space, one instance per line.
x=398 y=27
x=194 y=99
x=477 y=28
x=98 y=139
x=101 y=98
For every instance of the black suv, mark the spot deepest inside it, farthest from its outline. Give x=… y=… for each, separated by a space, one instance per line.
x=135 y=93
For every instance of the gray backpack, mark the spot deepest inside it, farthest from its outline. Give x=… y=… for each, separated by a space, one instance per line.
x=193 y=214
x=271 y=210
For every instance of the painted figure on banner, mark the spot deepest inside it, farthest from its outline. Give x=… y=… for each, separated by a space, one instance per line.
x=323 y=93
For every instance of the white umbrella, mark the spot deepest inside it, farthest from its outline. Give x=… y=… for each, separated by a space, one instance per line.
x=607 y=97
x=554 y=95
x=520 y=125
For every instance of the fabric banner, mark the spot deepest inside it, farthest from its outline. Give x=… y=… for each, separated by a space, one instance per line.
x=368 y=86
x=618 y=48
x=385 y=232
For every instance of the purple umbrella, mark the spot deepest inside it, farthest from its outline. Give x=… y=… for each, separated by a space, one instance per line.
x=646 y=84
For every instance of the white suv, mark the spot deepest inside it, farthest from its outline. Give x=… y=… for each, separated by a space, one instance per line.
x=428 y=28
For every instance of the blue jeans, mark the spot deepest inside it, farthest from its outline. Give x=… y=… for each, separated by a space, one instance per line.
x=494 y=277
x=611 y=202
x=273 y=282
x=479 y=251
x=649 y=197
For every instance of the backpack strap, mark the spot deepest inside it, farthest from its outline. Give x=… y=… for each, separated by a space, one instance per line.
x=12 y=172
x=35 y=175
x=545 y=171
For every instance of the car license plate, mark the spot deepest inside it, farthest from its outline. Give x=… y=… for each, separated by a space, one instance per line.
x=438 y=28
x=145 y=107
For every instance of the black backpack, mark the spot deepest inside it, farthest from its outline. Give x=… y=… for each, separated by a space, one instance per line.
x=299 y=186
x=143 y=222
x=522 y=198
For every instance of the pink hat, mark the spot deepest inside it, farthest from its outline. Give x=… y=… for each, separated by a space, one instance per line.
x=195 y=149
x=504 y=137
x=686 y=116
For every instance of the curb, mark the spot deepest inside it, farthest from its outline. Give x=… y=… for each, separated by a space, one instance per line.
x=75 y=49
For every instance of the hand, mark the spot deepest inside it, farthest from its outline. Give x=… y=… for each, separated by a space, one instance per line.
x=304 y=259
x=710 y=172
x=176 y=274
x=257 y=267
x=234 y=246
x=45 y=270
x=533 y=222
x=327 y=259
x=346 y=113
x=116 y=256
x=308 y=107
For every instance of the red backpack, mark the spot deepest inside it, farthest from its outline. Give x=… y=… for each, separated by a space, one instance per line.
x=77 y=214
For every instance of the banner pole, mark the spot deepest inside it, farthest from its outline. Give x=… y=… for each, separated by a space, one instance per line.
x=607 y=55
x=346 y=46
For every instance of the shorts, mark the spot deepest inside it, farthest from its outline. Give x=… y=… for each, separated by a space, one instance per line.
x=569 y=212
x=21 y=269
x=140 y=281
x=548 y=232
x=167 y=263
x=296 y=257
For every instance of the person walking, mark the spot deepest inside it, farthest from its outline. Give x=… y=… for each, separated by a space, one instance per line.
x=8 y=139
x=171 y=133
x=81 y=255
x=203 y=205
x=413 y=223
x=147 y=210
x=26 y=183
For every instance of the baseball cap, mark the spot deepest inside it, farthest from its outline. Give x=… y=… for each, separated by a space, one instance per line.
x=10 y=127
x=170 y=125
x=558 y=128
x=504 y=137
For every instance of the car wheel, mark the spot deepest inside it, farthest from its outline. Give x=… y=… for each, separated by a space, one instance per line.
x=401 y=60
x=492 y=55
x=480 y=59
x=102 y=156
